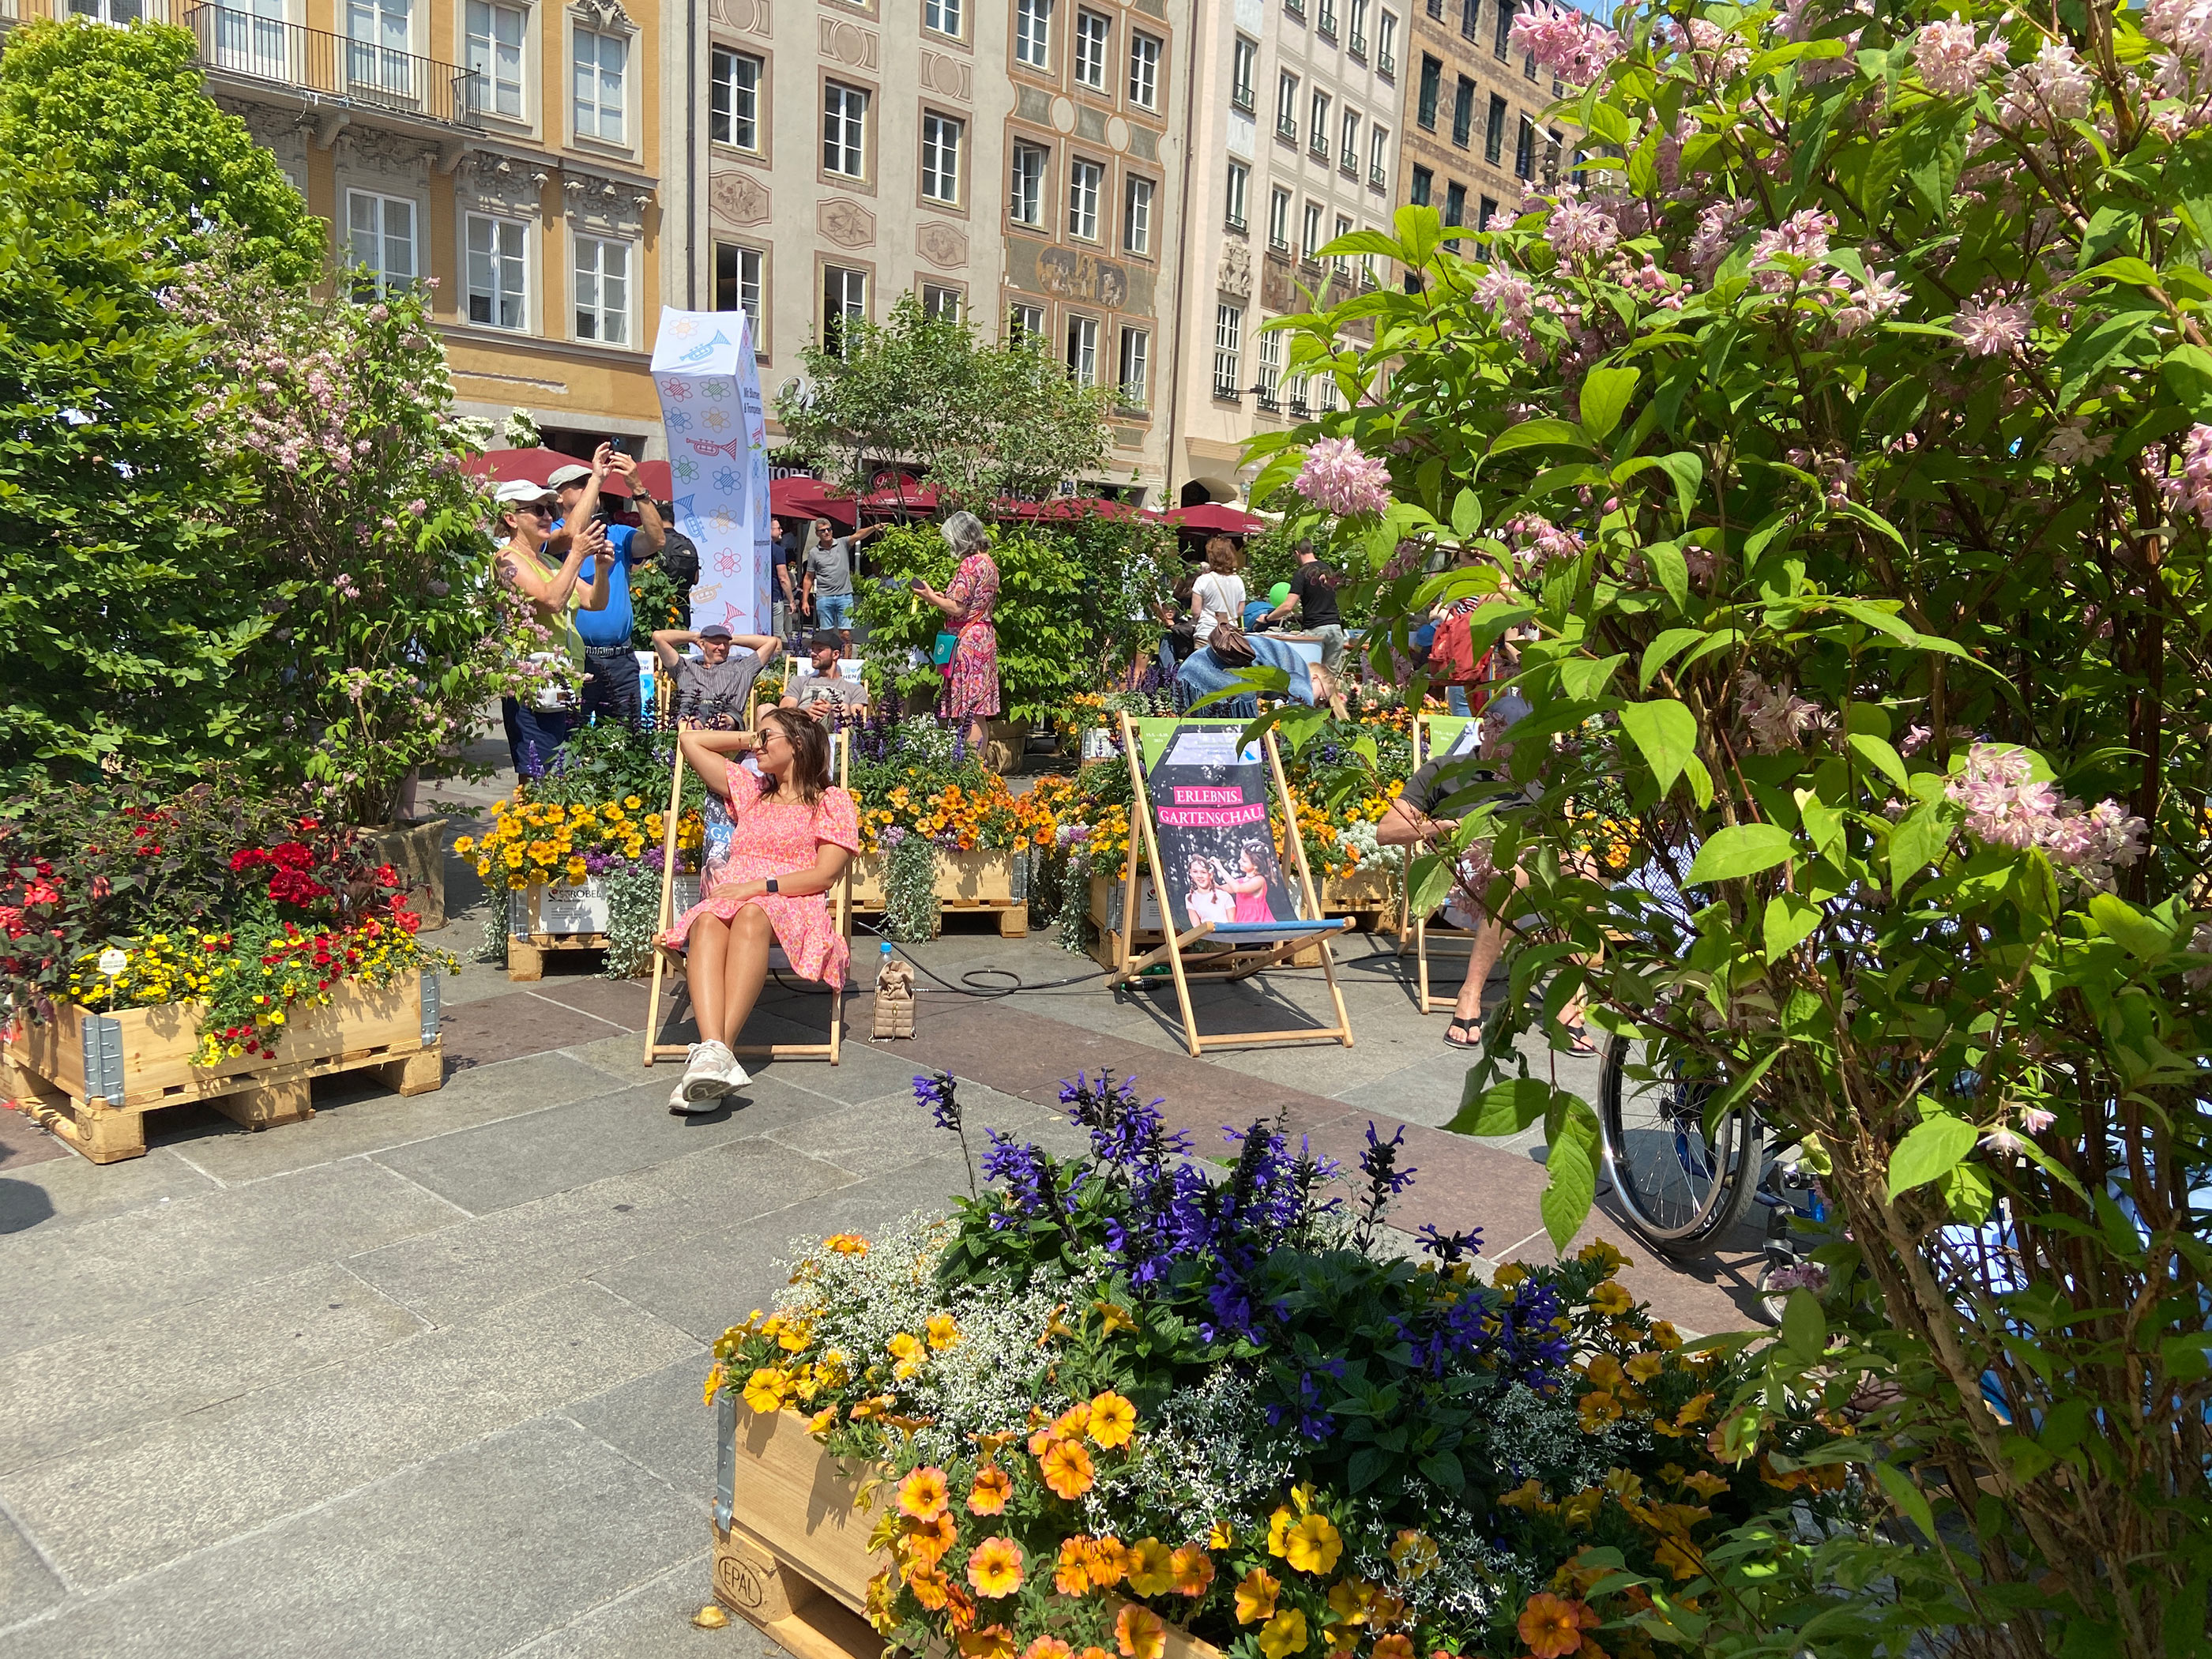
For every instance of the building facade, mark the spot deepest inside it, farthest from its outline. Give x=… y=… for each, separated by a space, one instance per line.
x=1293 y=130
x=1475 y=136
x=1005 y=160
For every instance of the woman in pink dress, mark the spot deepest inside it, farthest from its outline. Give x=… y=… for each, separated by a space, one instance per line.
x=972 y=685
x=791 y=832
x=1250 y=883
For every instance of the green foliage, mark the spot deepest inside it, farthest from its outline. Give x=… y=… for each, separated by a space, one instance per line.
x=120 y=115
x=132 y=609
x=910 y=904
x=610 y=760
x=653 y=600
x=980 y=420
x=1044 y=642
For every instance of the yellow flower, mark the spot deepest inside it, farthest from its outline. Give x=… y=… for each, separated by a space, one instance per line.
x=1611 y=1300
x=1511 y=1274
x=942 y=1332
x=1139 y=1633
x=904 y=1346
x=763 y=1390
x=1113 y=1420
x=818 y=1425
x=1151 y=1567
x=1283 y=1634
x=995 y=1567
x=1192 y=1569
x=992 y=1642
x=1313 y=1545
x=923 y=1494
x=1603 y=1256
x=1256 y=1597
x=1279 y=1530
x=1415 y=1553
x=993 y=1487
x=1705 y=1484
x=1664 y=1335
x=1067 y=1468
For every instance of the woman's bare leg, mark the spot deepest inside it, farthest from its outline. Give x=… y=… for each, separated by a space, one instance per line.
x=707 y=967
x=744 y=969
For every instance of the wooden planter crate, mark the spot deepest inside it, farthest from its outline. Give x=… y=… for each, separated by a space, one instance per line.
x=981 y=880
x=791 y=1540
x=1369 y=897
x=543 y=918
x=91 y=1078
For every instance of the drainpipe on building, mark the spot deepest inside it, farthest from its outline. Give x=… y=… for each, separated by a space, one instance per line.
x=693 y=197
x=1189 y=147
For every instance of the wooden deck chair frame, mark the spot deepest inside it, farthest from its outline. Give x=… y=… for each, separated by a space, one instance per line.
x=1419 y=935
x=1240 y=961
x=666 y=960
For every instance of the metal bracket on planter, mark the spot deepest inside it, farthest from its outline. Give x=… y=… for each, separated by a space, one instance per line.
x=103 y=1058
x=1018 y=887
x=725 y=1458
x=518 y=914
x=429 y=1007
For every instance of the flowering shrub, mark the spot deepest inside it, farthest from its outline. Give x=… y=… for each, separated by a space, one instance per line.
x=917 y=777
x=533 y=840
x=1113 y=1394
x=1842 y=424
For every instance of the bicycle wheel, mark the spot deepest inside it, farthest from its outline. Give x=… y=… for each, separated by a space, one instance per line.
x=1682 y=1188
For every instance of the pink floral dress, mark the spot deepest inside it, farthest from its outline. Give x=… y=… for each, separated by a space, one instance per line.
x=971 y=682
x=778 y=838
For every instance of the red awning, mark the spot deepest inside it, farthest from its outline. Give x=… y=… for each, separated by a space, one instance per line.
x=656 y=480
x=1217 y=517
x=804 y=498
x=1065 y=506
x=909 y=496
x=536 y=465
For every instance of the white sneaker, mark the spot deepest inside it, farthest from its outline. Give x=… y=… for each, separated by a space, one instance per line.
x=706 y=1075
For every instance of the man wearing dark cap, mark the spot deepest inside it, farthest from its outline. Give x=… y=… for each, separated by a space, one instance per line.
x=610 y=659
x=825 y=686
x=715 y=690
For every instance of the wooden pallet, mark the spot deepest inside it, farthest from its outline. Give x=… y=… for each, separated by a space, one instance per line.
x=983 y=882
x=525 y=958
x=91 y=1078
x=790 y=1552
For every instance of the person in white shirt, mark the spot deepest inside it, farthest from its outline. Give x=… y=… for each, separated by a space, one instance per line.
x=1217 y=596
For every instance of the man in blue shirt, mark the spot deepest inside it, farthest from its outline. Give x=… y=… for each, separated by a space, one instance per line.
x=610 y=686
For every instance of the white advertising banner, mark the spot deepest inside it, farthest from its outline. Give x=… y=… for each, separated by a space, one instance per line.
x=717 y=428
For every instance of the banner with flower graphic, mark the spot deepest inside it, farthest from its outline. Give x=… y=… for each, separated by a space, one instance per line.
x=717 y=426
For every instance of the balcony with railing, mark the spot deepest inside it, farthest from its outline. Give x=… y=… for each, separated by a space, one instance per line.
x=1325 y=19
x=1357 y=45
x=1286 y=126
x=1243 y=98
x=1297 y=9
x=1278 y=244
x=1375 y=176
x=1348 y=158
x=1318 y=143
x=1225 y=390
x=1299 y=410
x=1268 y=402
x=1386 y=64
x=332 y=69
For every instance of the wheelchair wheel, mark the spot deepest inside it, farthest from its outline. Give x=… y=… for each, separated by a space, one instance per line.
x=1682 y=1188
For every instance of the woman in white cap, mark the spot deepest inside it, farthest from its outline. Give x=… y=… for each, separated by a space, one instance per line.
x=536 y=732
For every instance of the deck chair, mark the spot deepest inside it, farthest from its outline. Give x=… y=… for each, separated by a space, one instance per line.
x=667 y=960
x=1220 y=786
x=1433 y=735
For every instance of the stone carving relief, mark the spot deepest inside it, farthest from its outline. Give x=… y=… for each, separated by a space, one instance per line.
x=846 y=223
x=739 y=199
x=606 y=16
x=601 y=204
x=948 y=76
x=1236 y=278
x=496 y=182
x=746 y=16
x=847 y=43
x=1068 y=275
x=365 y=150
x=944 y=245
x=1278 y=291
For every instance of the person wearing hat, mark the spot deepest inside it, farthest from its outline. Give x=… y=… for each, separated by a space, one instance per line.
x=825 y=686
x=556 y=591
x=718 y=688
x=610 y=659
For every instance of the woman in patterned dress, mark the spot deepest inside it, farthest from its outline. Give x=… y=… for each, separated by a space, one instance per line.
x=971 y=686
x=790 y=834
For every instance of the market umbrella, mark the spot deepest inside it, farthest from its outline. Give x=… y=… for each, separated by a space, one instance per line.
x=804 y=498
x=1215 y=517
x=536 y=465
x=1059 y=507
x=656 y=480
x=908 y=495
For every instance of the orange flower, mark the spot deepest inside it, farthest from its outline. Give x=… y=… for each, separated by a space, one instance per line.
x=994 y=1486
x=847 y=1244
x=1552 y=1626
x=1072 y=1576
x=1139 y=1633
x=992 y=1642
x=1094 y=1653
x=959 y=1608
x=928 y=1541
x=1256 y=1597
x=1109 y=1562
x=924 y=1494
x=1193 y=1569
x=928 y=1586
x=1071 y=1424
x=1394 y=1647
x=994 y=1567
x=1113 y=1420
x=1048 y=1647
x=1067 y=1468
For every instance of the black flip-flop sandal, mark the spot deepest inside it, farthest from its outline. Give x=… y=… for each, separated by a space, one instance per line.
x=1472 y=1027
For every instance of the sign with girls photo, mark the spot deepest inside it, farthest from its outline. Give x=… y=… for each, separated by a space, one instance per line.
x=1217 y=860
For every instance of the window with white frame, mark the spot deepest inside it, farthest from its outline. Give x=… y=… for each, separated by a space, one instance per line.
x=1343 y=264
x=1134 y=374
x=940 y=157
x=1024 y=322
x=1386 y=43
x=1271 y=361
x=1378 y=153
x=739 y=273
x=1033 y=34
x=1085 y=179
x=495 y=58
x=1324 y=393
x=1144 y=71
x=1318 y=138
x=1083 y=350
x=1358 y=18
x=1137 y=216
x=1093 y=30
x=1297 y=386
x=498 y=271
x=1310 y=252
x=1244 y=60
x=1286 y=105
x=844 y=131
x=381 y=241
x=1240 y=182
x=733 y=98
x=602 y=68
x=1348 y=156
x=603 y=290
x=1279 y=221
x=1228 y=348
x=942 y=16
x=844 y=299
x=1027 y=204
x=940 y=301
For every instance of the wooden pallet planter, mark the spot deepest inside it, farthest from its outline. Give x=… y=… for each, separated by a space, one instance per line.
x=1369 y=897
x=791 y=1540
x=91 y=1077
x=542 y=919
x=984 y=880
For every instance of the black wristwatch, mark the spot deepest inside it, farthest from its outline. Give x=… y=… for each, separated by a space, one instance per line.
x=772 y=887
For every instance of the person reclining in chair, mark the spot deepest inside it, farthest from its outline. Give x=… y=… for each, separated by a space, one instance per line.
x=785 y=837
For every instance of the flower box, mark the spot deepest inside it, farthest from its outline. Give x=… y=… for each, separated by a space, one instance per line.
x=791 y=1538
x=1368 y=894
x=565 y=916
x=91 y=1077
x=982 y=879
